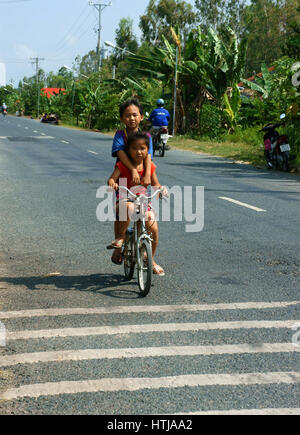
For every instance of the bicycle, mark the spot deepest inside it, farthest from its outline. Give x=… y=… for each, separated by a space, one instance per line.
x=137 y=248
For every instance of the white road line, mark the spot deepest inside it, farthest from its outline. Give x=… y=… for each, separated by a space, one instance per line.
x=92 y=152
x=243 y=204
x=146 y=328
x=147 y=352
x=3 y=137
x=43 y=134
x=43 y=137
x=53 y=312
x=34 y=131
x=261 y=411
x=135 y=384
x=64 y=141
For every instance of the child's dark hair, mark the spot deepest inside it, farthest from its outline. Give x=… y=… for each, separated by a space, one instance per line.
x=131 y=102
x=137 y=136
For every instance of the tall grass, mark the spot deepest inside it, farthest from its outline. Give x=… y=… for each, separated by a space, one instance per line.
x=249 y=136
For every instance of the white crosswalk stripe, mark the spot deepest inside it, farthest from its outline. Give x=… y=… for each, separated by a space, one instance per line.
x=134 y=384
x=153 y=331
x=144 y=328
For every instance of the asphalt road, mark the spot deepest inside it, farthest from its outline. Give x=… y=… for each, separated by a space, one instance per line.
x=214 y=335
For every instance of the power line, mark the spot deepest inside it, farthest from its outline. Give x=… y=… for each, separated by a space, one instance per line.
x=73 y=29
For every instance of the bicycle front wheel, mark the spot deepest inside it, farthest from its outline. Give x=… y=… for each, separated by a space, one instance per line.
x=128 y=255
x=144 y=267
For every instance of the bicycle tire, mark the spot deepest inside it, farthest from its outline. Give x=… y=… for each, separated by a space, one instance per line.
x=128 y=257
x=144 y=266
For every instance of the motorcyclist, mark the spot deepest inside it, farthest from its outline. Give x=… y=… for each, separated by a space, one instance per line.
x=159 y=117
x=3 y=108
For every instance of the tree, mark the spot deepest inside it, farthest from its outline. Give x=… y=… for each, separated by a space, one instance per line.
x=209 y=69
x=219 y=13
x=125 y=39
x=161 y=15
x=268 y=25
x=292 y=17
x=86 y=65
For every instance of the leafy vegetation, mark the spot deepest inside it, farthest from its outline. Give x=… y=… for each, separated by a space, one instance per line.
x=212 y=62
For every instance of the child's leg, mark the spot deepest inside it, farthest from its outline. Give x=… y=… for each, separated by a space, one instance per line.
x=117 y=254
x=152 y=226
x=121 y=226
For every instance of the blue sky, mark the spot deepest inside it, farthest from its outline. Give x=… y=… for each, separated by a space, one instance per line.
x=56 y=30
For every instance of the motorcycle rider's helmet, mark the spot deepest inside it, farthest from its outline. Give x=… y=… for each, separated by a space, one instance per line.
x=160 y=102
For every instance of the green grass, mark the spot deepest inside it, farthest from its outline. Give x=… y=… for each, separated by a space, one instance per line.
x=245 y=146
x=238 y=151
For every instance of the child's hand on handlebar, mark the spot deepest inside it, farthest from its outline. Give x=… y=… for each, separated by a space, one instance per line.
x=112 y=184
x=162 y=191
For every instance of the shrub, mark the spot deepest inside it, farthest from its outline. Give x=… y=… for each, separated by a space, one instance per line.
x=210 y=121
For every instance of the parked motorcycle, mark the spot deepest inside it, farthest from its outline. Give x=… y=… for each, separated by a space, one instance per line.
x=50 y=119
x=277 y=147
x=160 y=139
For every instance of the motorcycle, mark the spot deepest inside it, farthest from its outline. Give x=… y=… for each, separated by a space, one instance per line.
x=4 y=112
x=277 y=147
x=160 y=139
x=50 y=119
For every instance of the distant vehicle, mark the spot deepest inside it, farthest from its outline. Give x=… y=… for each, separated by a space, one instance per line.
x=50 y=119
x=160 y=138
x=4 y=109
x=277 y=147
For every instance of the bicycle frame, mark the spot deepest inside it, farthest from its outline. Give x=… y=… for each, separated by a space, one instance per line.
x=138 y=245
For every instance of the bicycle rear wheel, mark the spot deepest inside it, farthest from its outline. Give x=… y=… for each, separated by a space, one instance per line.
x=128 y=255
x=144 y=267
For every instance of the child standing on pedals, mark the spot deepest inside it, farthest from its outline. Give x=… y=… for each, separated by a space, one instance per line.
x=137 y=149
x=131 y=114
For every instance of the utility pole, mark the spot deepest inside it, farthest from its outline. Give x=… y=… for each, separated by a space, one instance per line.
x=36 y=61
x=100 y=7
x=175 y=92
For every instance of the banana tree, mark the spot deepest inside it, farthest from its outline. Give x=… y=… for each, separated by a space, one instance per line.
x=263 y=85
x=208 y=69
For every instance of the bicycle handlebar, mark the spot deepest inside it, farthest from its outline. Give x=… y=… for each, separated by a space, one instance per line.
x=142 y=195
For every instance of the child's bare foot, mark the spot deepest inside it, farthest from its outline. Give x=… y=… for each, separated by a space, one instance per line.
x=116 y=244
x=117 y=257
x=158 y=270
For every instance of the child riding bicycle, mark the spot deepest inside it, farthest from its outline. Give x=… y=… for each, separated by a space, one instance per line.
x=131 y=115
x=137 y=148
